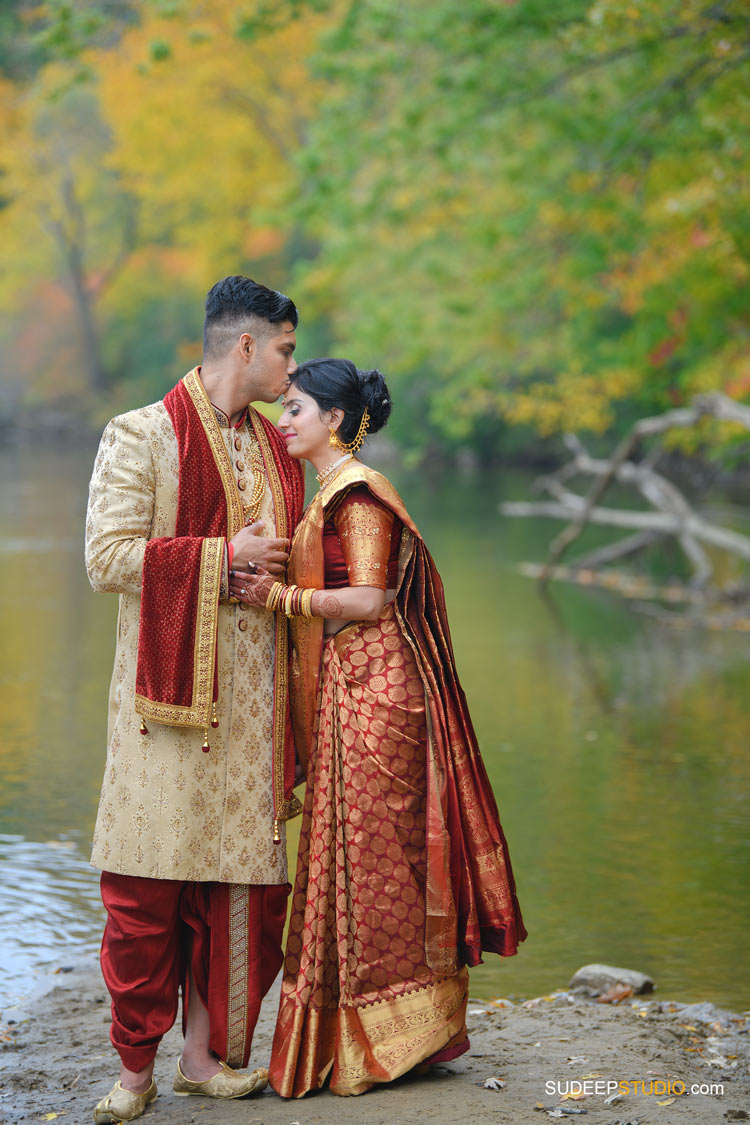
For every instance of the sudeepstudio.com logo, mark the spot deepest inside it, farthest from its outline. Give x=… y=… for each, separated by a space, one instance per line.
x=607 y=1087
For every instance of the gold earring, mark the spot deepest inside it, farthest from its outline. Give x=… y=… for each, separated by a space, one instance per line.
x=352 y=446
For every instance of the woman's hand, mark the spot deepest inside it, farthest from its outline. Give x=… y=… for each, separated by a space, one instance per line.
x=252 y=589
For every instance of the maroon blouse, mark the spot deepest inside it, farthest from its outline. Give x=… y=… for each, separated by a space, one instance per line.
x=361 y=539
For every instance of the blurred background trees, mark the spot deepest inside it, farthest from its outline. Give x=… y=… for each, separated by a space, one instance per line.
x=532 y=217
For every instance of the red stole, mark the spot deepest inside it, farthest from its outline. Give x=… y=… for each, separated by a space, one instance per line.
x=176 y=677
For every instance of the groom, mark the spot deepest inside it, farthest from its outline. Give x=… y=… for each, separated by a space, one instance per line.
x=198 y=782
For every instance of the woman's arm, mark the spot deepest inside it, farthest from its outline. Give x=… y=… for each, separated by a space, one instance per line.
x=363 y=531
x=350 y=603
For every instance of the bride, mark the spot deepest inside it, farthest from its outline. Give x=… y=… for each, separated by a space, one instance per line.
x=403 y=874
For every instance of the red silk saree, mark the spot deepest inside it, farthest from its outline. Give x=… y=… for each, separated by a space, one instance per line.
x=403 y=875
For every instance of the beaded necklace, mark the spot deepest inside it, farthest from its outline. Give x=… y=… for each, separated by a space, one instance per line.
x=258 y=470
x=325 y=476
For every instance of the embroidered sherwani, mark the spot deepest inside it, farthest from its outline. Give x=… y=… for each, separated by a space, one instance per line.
x=192 y=877
x=167 y=810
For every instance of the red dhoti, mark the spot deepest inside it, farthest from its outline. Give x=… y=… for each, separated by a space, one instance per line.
x=161 y=932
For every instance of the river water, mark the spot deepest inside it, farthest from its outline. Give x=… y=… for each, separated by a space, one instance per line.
x=617 y=746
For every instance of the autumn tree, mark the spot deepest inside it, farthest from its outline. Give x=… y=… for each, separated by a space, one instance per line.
x=529 y=214
x=533 y=211
x=66 y=214
x=145 y=157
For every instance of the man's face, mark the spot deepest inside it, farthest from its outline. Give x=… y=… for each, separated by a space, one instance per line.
x=273 y=362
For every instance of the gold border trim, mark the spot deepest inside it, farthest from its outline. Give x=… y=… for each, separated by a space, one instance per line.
x=239 y=906
x=198 y=713
x=281 y=662
x=212 y=429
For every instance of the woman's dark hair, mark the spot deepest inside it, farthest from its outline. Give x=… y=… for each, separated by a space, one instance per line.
x=338 y=383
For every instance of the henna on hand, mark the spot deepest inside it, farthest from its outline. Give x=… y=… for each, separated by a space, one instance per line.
x=252 y=589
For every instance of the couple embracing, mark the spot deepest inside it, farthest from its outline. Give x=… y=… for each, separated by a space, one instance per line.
x=260 y=645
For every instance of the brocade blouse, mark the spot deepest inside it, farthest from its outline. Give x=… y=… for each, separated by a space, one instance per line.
x=361 y=538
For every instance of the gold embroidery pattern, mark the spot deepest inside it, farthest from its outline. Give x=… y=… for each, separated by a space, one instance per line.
x=415 y=1026
x=366 y=1045
x=235 y=512
x=238 y=968
x=282 y=808
x=209 y=815
x=364 y=532
x=198 y=714
x=415 y=1010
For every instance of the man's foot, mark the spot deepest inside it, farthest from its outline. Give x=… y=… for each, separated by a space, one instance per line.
x=198 y=1066
x=123 y=1105
x=227 y=1083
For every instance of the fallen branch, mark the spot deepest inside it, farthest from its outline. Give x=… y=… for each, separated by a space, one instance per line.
x=671 y=515
x=716 y=405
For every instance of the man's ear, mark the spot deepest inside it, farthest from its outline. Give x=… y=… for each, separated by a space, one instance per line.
x=247 y=345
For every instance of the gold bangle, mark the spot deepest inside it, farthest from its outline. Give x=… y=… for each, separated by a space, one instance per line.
x=273 y=596
x=306 y=607
x=287 y=600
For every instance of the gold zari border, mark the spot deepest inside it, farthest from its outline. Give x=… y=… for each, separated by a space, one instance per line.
x=238 y=974
x=212 y=429
x=283 y=810
x=361 y=1045
x=198 y=713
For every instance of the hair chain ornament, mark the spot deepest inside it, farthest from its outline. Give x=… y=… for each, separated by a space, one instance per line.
x=353 y=446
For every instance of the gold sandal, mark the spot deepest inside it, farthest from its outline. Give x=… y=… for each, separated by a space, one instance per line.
x=123 y=1105
x=227 y=1083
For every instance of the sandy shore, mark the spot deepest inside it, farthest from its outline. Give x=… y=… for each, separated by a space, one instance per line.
x=56 y=1062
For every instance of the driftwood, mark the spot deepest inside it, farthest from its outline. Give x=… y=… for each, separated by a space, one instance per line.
x=670 y=515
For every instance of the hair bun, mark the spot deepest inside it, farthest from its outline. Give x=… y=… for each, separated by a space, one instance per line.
x=375 y=396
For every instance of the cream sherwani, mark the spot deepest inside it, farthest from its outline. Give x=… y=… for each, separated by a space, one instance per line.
x=167 y=810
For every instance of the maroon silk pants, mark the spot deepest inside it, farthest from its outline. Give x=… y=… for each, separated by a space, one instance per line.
x=159 y=932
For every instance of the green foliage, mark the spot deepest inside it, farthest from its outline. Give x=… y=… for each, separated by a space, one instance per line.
x=543 y=206
x=532 y=216
x=159 y=50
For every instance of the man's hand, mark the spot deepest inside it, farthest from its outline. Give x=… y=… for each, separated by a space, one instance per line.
x=251 y=547
x=251 y=589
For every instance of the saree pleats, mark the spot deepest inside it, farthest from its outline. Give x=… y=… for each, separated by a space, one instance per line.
x=360 y=1003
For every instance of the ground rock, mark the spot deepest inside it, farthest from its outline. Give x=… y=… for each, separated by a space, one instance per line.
x=702 y=1013
x=593 y=980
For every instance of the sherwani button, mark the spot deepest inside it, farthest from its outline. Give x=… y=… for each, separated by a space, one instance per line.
x=240 y=466
x=241 y=484
x=244 y=605
x=242 y=624
x=237 y=444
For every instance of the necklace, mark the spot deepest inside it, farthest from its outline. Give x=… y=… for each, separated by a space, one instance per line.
x=325 y=476
x=258 y=470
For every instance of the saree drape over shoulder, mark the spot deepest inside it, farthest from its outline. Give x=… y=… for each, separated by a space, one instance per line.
x=403 y=877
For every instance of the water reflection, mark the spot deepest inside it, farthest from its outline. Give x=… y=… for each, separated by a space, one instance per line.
x=52 y=912
x=617 y=748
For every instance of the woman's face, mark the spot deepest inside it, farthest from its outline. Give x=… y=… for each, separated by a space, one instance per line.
x=305 y=427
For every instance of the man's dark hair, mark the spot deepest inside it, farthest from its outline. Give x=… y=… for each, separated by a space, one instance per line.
x=238 y=304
